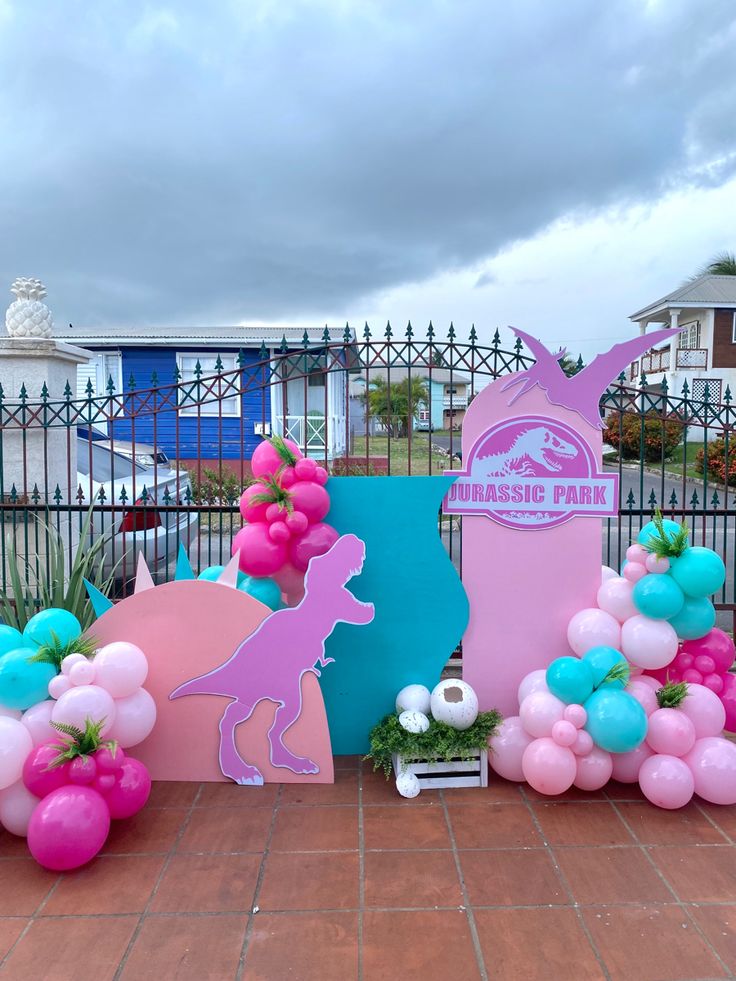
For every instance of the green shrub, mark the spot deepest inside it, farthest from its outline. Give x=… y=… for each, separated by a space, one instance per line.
x=717 y=463
x=624 y=433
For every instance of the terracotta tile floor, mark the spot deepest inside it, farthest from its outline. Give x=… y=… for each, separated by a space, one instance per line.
x=351 y=882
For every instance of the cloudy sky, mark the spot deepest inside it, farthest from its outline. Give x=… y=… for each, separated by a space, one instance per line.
x=549 y=165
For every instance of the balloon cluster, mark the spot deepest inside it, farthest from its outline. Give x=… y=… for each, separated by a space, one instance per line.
x=284 y=511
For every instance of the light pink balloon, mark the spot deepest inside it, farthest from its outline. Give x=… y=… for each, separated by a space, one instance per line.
x=649 y=643
x=583 y=744
x=615 y=597
x=654 y=683
x=506 y=748
x=86 y=702
x=70 y=660
x=634 y=571
x=644 y=694
x=670 y=732
x=712 y=761
x=576 y=714
x=608 y=573
x=534 y=681
x=637 y=553
x=564 y=733
x=7 y=713
x=59 y=685
x=657 y=566
x=705 y=710
x=593 y=628
x=17 y=804
x=626 y=766
x=82 y=673
x=37 y=720
x=135 y=717
x=15 y=745
x=539 y=712
x=666 y=781
x=593 y=770
x=121 y=668
x=549 y=768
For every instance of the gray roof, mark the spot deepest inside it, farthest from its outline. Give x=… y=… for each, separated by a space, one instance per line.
x=108 y=336
x=442 y=375
x=705 y=291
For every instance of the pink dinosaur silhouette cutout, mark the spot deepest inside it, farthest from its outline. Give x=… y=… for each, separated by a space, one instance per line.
x=582 y=392
x=270 y=663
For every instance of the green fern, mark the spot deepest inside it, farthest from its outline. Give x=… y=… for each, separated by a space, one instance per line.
x=672 y=695
x=619 y=672
x=273 y=493
x=288 y=458
x=666 y=545
x=81 y=742
x=55 y=652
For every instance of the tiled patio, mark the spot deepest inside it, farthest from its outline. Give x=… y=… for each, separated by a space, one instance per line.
x=349 y=882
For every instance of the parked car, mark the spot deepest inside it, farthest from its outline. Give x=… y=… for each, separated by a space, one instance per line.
x=142 y=508
x=144 y=454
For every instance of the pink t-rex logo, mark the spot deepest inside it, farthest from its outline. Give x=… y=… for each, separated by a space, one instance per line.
x=270 y=662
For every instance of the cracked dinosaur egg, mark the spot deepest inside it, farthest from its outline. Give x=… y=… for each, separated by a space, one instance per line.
x=413 y=698
x=407 y=785
x=414 y=721
x=455 y=703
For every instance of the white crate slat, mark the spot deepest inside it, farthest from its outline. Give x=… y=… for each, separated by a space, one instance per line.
x=438 y=774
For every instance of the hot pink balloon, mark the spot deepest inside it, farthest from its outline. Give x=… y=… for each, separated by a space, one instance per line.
x=705 y=664
x=649 y=643
x=593 y=628
x=316 y=540
x=637 y=553
x=593 y=770
x=17 y=804
x=266 y=460
x=130 y=791
x=258 y=554
x=717 y=645
x=644 y=694
x=38 y=777
x=135 y=717
x=670 y=732
x=506 y=748
x=289 y=578
x=250 y=510
x=728 y=700
x=615 y=597
x=564 y=733
x=539 y=712
x=634 y=571
x=121 y=668
x=37 y=720
x=583 y=744
x=549 y=768
x=715 y=683
x=68 y=828
x=626 y=766
x=534 y=681
x=311 y=499
x=705 y=710
x=86 y=702
x=575 y=714
x=712 y=761
x=692 y=677
x=666 y=781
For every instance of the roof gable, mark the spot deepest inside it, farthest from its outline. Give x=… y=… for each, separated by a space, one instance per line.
x=705 y=291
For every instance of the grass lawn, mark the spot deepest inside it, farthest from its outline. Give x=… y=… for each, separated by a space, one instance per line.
x=683 y=458
x=420 y=461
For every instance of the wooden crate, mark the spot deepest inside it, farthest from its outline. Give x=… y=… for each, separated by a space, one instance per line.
x=455 y=773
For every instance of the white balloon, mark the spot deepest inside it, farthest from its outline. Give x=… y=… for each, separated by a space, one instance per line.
x=135 y=717
x=85 y=702
x=17 y=804
x=413 y=698
x=37 y=720
x=15 y=745
x=408 y=785
x=414 y=721
x=121 y=668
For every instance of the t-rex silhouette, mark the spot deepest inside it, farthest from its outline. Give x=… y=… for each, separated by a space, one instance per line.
x=269 y=663
x=531 y=449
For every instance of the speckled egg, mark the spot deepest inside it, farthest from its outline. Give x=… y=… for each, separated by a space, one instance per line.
x=455 y=703
x=414 y=721
x=413 y=698
x=407 y=785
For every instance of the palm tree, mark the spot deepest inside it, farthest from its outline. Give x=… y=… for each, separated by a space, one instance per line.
x=721 y=264
x=395 y=404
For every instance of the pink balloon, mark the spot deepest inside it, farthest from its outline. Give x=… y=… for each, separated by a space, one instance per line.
x=289 y=578
x=615 y=597
x=649 y=643
x=575 y=714
x=657 y=566
x=549 y=768
x=534 y=681
x=654 y=683
x=728 y=700
x=37 y=776
x=70 y=660
x=637 y=553
x=258 y=554
x=666 y=781
x=583 y=744
x=712 y=761
x=130 y=791
x=250 y=511
x=506 y=748
x=316 y=540
x=82 y=673
x=714 y=682
x=717 y=645
x=539 y=712
x=17 y=804
x=564 y=733
x=135 y=716
x=705 y=710
x=705 y=664
x=692 y=676
x=633 y=571
x=121 y=668
x=86 y=702
x=593 y=770
x=644 y=694
x=626 y=766
x=7 y=713
x=266 y=460
x=68 y=828
x=608 y=573
x=294 y=599
x=593 y=628
x=59 y=685
x=15 y=745
x=37 y=720
x=311 y=499
x=670 y=732
x=683 y=661
x=278 y=531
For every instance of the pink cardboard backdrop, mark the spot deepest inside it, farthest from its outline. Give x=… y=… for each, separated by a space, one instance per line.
x=523 y=585
x=186 y=629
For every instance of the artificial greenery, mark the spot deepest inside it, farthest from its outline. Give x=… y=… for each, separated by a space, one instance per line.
x=439 y=742
x=672 y=695
x=273 y=493
x=288 y=458
x=55 y=652
x=664 y=544
x=81 y=742
x=619 y=672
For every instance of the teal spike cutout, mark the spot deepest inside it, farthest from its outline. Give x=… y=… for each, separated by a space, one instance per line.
x=183 y=565
x=100 y=603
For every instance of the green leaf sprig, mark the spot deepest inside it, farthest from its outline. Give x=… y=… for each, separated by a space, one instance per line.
x=672 y=695
x=664 y=544
x=55 y=652
x=288 y=458
x=619 y=672
x=273 y=493
x=80 y=742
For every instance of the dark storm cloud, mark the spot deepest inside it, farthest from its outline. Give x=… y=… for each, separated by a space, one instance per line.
x=259 y=159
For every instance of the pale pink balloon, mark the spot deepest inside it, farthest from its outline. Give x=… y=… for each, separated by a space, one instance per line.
x=593 y=770
x=15 y=745
x=593 y=628
x=564 y=733
x=637 y=553
x=670 y=732
x=615 y=597
x=583 y=744
x=121 y=668
x=534 y=681
x=626 y=766
x=608 y=573
x=7 y=713
x=666 y=781
x=17 y=804
x=70 y=660
x=633 y=571
x=539 y=712
x=86 y=702
x=549 y=768
x=654 y=683
x=650 y=644
x=657 y=566
x=82 y=673
x=37 y=720
x=59 y=685
x=705 y=710
x=575 y=714
x=135 y=717
x=712 y=761
x=506 y=748
x=644 y=694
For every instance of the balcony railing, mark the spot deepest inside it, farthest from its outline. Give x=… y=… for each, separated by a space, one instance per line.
x=315 y=433
x=454 y=401
x=691 y=358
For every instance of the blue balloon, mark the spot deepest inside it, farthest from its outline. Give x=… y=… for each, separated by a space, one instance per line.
x=699 y=572
x=213 y=572
x=10 y=638
x=671 y=528
x=616 y=721
x=600 y=660
x=23 y=683
x=658 y=596
x=570 y=679
x=267 y=591
x=696 y=618
x=52 y=626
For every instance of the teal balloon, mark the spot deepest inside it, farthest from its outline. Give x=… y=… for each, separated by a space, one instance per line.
x=22 y=682
x=671 y=528
x=266 y=591
x=600 y=660
x=570 y=679
x=213 y=572
x=658 y=597
x=10 y=638
x=616 y=721
x=699 y=572
x=52 y=626
x=696 y=618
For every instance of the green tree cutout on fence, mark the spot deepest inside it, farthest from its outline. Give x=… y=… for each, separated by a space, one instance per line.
x=395 y=404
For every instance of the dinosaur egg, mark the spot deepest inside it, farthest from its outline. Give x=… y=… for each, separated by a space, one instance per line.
x=407 y=785
x=455 y=703
x=414 y=721
x=413 y=698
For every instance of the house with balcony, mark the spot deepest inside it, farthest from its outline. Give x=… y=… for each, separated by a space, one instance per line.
x=703 y=352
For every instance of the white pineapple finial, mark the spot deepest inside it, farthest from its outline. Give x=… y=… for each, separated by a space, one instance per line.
x=27 y=316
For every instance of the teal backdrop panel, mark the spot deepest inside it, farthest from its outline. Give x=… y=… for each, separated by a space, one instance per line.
x=421 y=606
